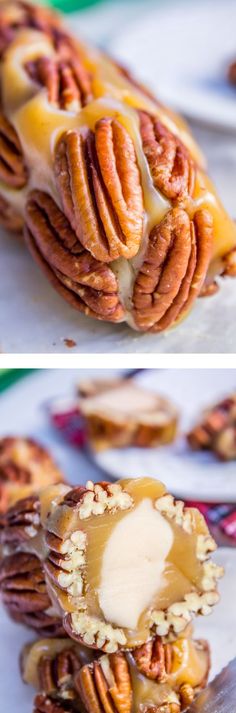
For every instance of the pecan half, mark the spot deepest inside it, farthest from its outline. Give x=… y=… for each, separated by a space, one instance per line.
x=170 y=163
x=90 y=286
x=9 y=217
x=16 y=15
x=154 y=659
x=173 y=270
x=13 y=171
x=24 y=593
x=21 y=522
x=97 y=694
x=46 y=704
x=56 y=676
x=100 y=187
x=67 y=82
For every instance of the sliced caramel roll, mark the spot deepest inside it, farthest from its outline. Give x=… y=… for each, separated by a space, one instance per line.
x=126 y=562
x=126 y=414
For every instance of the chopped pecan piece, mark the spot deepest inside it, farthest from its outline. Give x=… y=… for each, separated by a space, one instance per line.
x=174 y=269
x=170 y=163
x=25 y=467
x=9 y=217
x=154 y=659
x=89 y=285
x=24 y=593
x=95 y=691
x=100 y=187
x=216 y=431
x=13 y=171
x=67 y=82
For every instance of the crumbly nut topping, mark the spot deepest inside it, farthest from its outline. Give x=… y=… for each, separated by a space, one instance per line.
x=99 y=499
x=179 y=614
x=93 y=631
x=175 y=510
x=205 y=545
x=70 y=576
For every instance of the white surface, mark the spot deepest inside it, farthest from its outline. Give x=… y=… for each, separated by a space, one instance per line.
x=190 y=46
x=33 y=318
x=219 y=629
x=186 y=474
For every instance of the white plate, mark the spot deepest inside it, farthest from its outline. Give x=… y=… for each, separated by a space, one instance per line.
x=219 y=629
x=182 y=50
x=189 y=475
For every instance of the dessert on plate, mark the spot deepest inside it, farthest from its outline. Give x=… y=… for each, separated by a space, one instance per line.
x=117 y=208
x=216 y=430
x=122 y=413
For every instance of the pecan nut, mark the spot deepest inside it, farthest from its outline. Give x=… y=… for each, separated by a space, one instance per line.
x=89 y=285
x=46 y=704
x=154 y=659
x=17 y=14
x=172 y=168
x=56 y=676
x=24 y=593
x=9 y=217
x=67 y=82
x=100 y=187
x=20 y=523
x=13 y=171
x=174 y=269
x=96 y=693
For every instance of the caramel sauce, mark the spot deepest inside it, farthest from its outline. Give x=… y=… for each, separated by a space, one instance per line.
x=49 y=648
x=182 y=570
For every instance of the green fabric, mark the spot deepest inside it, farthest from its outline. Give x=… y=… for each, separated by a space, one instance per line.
x=72 y=5
x=8 y=377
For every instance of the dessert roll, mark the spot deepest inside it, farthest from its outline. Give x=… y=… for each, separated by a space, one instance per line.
x=216 y=430
x=119 y=212
x=25 y=467
x=157 y=677
x=126 y=562
x=23 y=587
x=126 y=414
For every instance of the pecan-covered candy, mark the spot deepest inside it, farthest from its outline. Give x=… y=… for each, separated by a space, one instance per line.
x=25 y=468
x=118 y=210
x=64 y=671
x=216 y=431
x=125 y=414
x=116 y=567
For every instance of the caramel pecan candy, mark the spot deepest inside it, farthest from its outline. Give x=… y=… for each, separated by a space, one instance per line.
x=25 y=468
x=119 y=682
x=87 y=284
x=130 y=416
x=24 y=594
x=216 y=431
x=109 y=545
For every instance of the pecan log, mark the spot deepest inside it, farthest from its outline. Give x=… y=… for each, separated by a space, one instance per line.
x=24 y=593
x=12 y=166
x=216 y=431
x=25 y=467
x=100 y=188
x=89 y=285
x=174 y=269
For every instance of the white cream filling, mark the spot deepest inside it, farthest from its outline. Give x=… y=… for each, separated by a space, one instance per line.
x=133 y=565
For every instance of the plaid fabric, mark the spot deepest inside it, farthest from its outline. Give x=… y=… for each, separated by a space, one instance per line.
x=65 y=416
